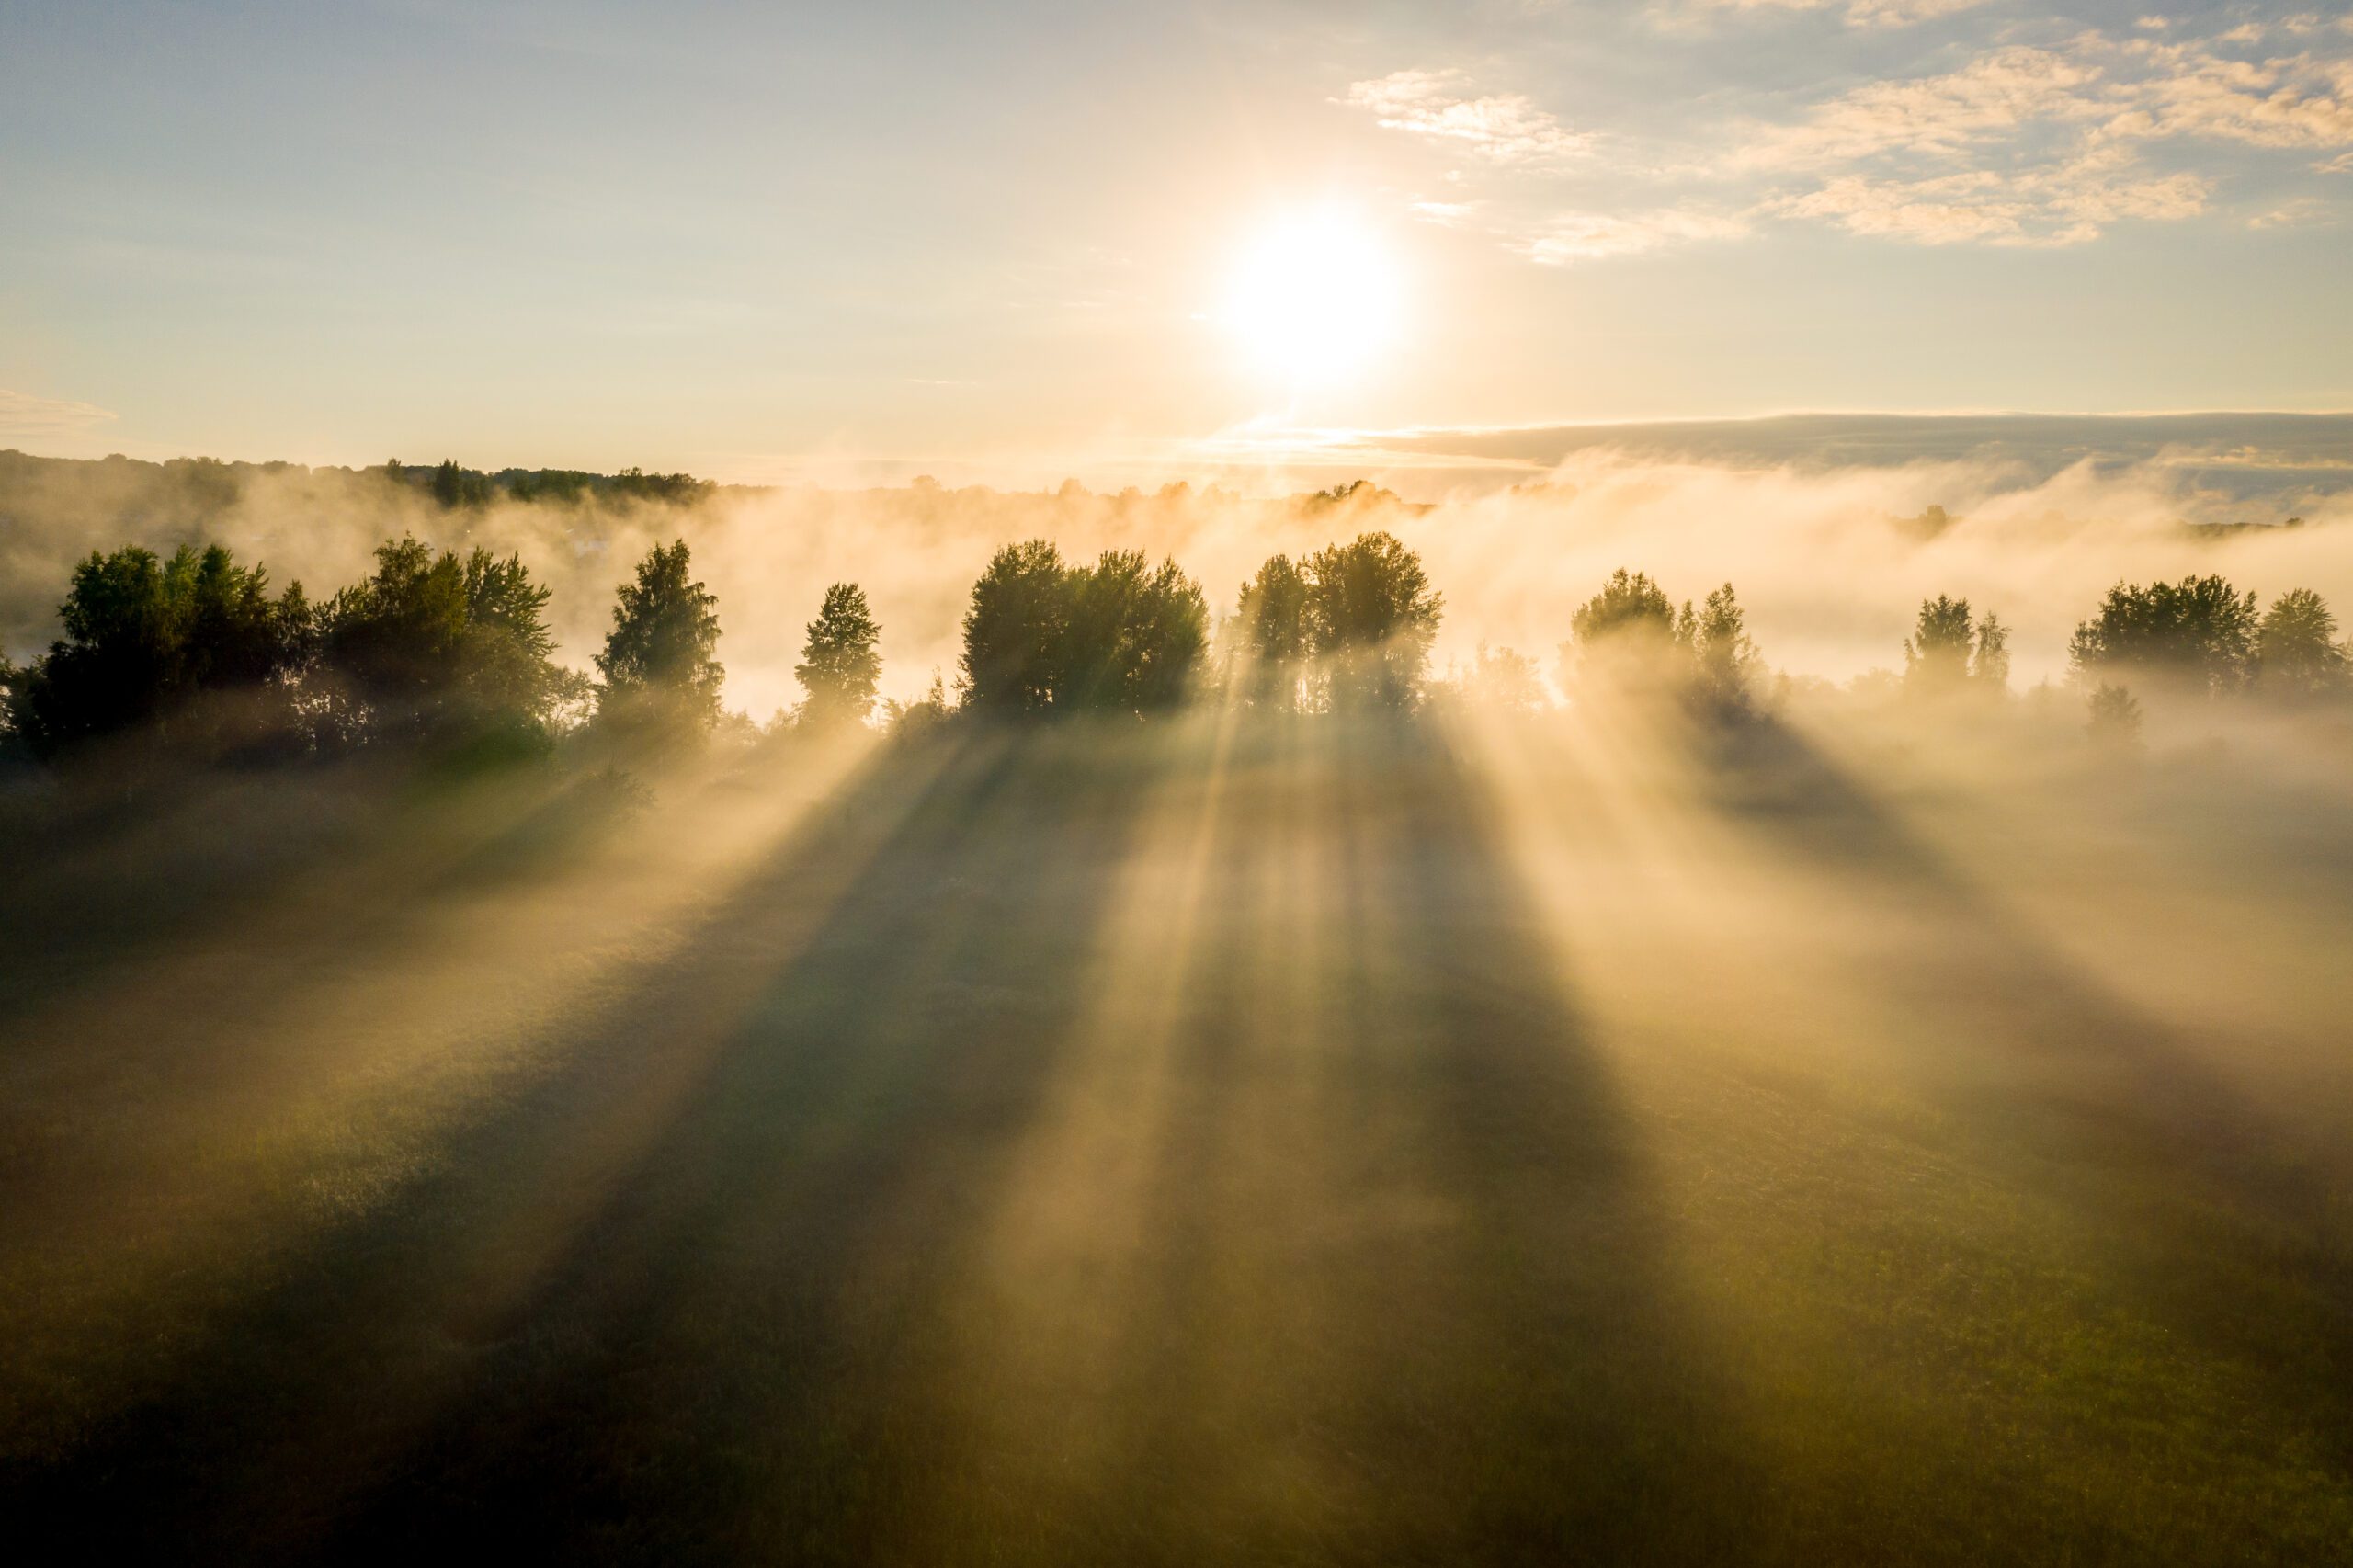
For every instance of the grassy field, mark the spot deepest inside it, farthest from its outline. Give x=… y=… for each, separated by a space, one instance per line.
x=1571 y=1141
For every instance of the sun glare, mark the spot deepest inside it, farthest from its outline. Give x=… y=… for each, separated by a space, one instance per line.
x=1313 y=298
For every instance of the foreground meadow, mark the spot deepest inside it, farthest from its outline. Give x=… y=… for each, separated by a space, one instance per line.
x=1229 y=1139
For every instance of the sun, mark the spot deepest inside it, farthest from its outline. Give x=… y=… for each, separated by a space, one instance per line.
x=1313 y=298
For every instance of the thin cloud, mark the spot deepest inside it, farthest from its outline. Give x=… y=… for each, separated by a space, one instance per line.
x=25 y=417
x=1438 y=106
x=1595 y=236
x=1857 y=12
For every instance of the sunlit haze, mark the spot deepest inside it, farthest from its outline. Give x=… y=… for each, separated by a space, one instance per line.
x=1258 y=782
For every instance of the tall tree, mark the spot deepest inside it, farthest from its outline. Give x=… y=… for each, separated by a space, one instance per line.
x=2296 y=651
x=1937 y=654
x=1014 y=629
x=1271 y=623
x=661 y=674
x=1373 y=616
x=1724 y=661
x=839 y=667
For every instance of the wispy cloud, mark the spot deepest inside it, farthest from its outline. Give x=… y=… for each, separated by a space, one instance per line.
x=2062 y=204
x=1593 y=236
x=25 y=417
x=1857 y=12
x=2044 y=144
x=1438 y=106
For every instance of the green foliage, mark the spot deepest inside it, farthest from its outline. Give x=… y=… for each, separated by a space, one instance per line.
x=1371 y=616
x=2296 y=651
x=1013 y=631
x=145 y=636
x=1631 y=608
x=1631 y=635
x=1950 y=651
x=1990 y=666
x=1117 y=635
x=444 y=651
x=839 y=667
x=1724 y=661
x=661 y=676
x=1274 y=638
x=2197 y=633
x=1131 y=635
x=454 y=486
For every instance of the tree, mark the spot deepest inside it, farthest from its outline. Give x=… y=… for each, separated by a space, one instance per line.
x=145 y=636
x=1724 y=661
x=1131 y=635
x=661 y=676
x=1991 y=666
x=839 y=667
x=1013 y=633
x=443 y=651
x=454 y=486
x=1117 y=635
x=1937 y=654
x=1629 y=608
x=2296 y=651
x=2197 y=633
x=1371 y=616
x=1271 y=622
x=2115 y=722
x=1949 y=652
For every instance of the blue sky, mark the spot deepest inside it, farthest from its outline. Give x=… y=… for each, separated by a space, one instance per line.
x=750 y=240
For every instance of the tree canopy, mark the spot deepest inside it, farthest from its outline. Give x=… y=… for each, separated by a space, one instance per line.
x=660 y=663
x=145 y=635
x=1371 y=616
x=839 y=667
x=2197 y=633
x=442 y=649
x=1116 y=635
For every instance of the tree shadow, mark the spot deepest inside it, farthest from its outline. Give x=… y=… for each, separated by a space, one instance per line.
x=613 y=1316
x=1394 y=1288
x=2118 y=1110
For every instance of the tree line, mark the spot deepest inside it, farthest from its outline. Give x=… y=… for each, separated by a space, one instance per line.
x=450 y=654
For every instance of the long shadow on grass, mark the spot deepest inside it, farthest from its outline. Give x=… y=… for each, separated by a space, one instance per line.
x=1391 y=1287
x=612 y=1323
x=2126 y=1110
x=1394 y=1288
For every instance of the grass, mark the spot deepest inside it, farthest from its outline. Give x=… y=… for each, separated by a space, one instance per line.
x=1240 y=1142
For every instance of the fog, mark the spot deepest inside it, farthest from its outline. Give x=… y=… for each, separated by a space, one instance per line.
x=1830 y=560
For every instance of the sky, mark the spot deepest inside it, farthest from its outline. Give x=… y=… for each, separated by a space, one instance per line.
x=763 y=241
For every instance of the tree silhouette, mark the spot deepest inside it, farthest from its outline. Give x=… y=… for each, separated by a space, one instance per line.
x=442 y=651
x=1013 y=633
x=1990 y=666
x=2197 y=633
x=1371 y=616
x=145 y=635
x=839 y=666
x=1275 y=639
x=1949 y=652
x=1131 y=635
x=2296 y=651
x=1937 y=654
x=661 y=676
x=1724 y=661
x=2115 y=722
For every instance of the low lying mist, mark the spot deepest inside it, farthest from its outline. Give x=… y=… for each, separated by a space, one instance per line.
x=1830 y=562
